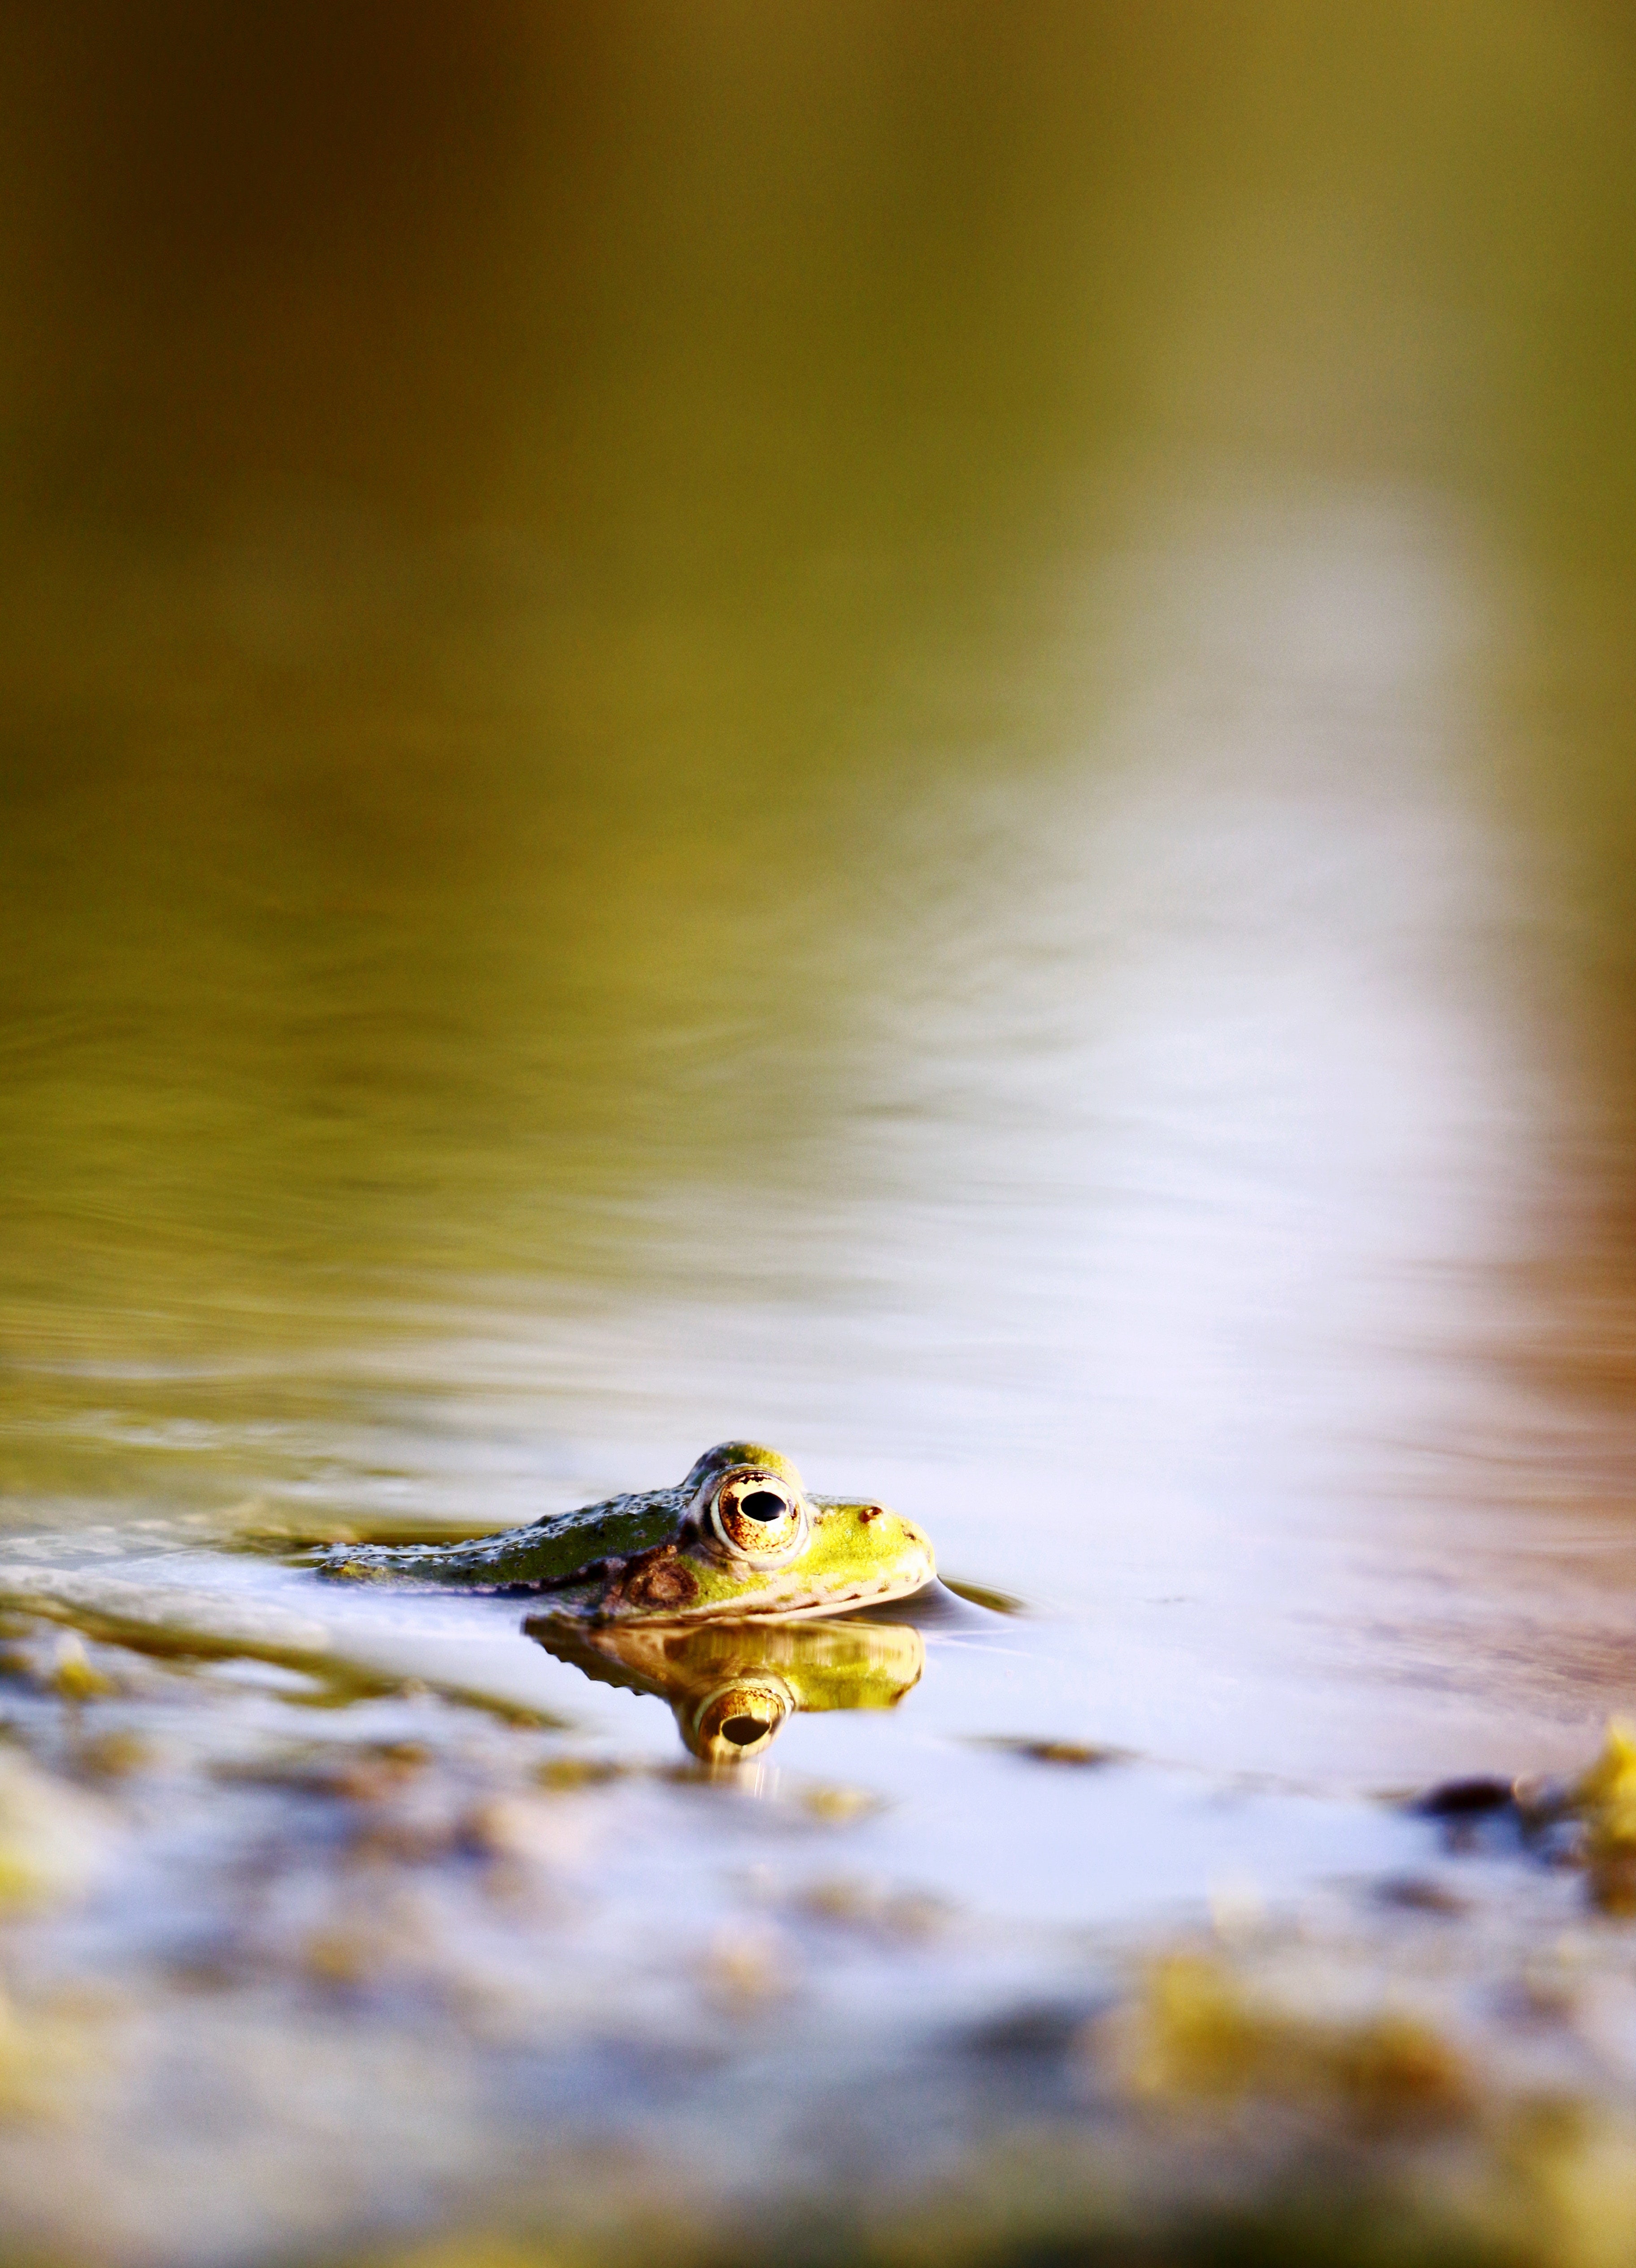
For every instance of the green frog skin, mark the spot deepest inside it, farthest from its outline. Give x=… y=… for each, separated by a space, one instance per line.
x=738 y=1540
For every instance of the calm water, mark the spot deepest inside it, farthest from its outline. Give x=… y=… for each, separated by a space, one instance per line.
x=908 y=736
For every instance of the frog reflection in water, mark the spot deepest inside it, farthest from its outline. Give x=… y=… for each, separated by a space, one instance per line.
x=740 y=1540
x=732 y=1685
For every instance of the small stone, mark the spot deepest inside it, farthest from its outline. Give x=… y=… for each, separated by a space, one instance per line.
x=1465 y=1799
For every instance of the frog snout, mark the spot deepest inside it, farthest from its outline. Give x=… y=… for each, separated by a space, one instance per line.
x=913 y=1542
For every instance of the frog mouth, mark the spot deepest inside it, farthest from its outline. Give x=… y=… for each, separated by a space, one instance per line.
x=792 y=1607
x=665 y=1590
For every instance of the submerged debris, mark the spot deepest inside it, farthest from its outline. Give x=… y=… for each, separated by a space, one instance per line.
x=569 y=1775
x=1084 y=1756
x=1199 y=2029
x=1466 y=1799
x=1420 y=1894
x=1589 y=1822
x=53 y=1839
x=43 y=2056
x=880 y=1908
x=749 y=1967
x=73 y=1675
x=1603 y=1799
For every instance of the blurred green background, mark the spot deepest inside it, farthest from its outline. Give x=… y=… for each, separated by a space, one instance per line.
x=515 y=521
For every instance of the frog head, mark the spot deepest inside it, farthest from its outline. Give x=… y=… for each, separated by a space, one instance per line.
x=751 y=1542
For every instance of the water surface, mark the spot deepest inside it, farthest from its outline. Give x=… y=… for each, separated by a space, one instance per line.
x=909 y=738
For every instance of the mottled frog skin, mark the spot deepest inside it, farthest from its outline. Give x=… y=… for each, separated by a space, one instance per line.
x=738 y=1540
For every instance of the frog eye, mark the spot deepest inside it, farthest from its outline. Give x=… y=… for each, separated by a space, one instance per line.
x=734 y=1724
x=757 y=1515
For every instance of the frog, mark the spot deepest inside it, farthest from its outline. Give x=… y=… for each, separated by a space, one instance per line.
x=738 y=1540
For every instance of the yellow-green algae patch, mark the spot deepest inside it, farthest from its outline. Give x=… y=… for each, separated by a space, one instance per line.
x=1603 y=1799
x=1196 y=2028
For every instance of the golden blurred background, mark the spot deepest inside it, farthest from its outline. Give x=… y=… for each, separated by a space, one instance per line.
x=515 y=521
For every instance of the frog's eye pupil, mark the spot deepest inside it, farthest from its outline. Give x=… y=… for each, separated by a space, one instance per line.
x=755 y=1514
x=742 y=1731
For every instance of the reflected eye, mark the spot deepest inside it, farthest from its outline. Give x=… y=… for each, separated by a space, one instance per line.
x=755 y=1514
x=737 y=1721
